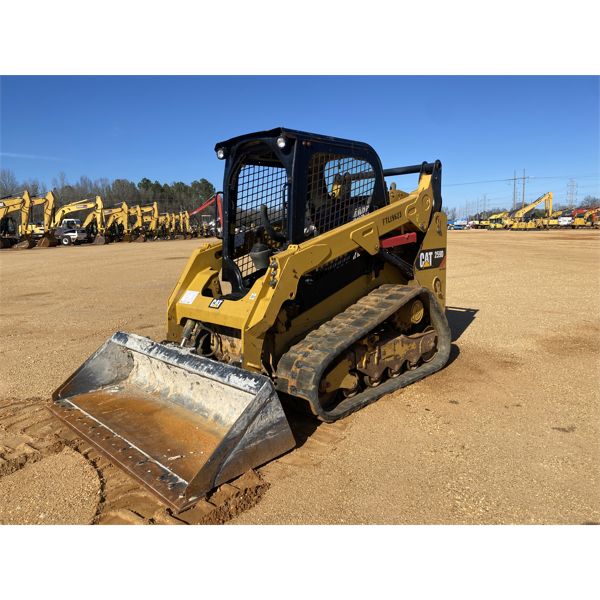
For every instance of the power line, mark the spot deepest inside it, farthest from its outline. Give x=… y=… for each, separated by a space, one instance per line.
x=528 y=177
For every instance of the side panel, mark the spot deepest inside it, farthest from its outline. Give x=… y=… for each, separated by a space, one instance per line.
x=430 y=263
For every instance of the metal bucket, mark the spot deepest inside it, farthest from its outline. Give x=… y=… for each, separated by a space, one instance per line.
x=179 y=423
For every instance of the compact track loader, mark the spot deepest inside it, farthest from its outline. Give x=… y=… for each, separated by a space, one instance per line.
x=327 y=291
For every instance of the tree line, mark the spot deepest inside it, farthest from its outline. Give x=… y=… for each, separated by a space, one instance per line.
x=170 y=197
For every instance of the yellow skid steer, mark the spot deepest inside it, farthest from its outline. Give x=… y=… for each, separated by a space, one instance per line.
x=326 y=292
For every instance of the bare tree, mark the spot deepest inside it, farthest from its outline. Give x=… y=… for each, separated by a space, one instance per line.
x=8 y=183
x=590 y=202
x=451 y=214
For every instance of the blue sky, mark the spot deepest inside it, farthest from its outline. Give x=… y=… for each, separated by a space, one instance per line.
x=165 y=128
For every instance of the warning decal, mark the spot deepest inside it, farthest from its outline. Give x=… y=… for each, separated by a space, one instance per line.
x=188 y=297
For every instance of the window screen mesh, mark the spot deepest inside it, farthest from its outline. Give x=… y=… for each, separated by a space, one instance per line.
x=340 y=189
x=257 y=185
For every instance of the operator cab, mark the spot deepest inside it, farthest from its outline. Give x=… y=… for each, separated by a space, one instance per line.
x=284 y=186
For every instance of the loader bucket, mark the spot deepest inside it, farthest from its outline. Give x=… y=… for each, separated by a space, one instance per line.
x=179 y=423
x=99 y=239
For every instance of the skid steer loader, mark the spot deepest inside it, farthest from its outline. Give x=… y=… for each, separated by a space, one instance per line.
x=327 y=290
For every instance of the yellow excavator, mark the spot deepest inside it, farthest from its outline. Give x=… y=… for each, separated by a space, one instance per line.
x=136 y=227
x=25 y=227
x=518 y=219
x=71 y=230
x=326 y=292
x=550 y=222
x=10 y=231
x=585 y=218
x=167 y=226
x=116 y=223
x=95 y=223
x=44 y=236
x=184 y=224
x=27 y=234
x=146 y=222
x=498 y=220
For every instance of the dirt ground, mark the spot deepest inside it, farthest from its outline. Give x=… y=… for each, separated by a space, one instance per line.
x=508 y=432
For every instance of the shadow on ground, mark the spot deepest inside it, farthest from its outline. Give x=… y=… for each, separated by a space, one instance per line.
x=460 y=319
x=303 y=424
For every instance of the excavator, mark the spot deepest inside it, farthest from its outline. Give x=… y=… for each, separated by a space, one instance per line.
x=184 y=224
x=146 y=222
x=136 y=228
x=164 y=226
x=498 y=220
x=550 y=222
x=10 y=232
x=326 y=292
x=60 y=223
x=116 y=223
x=517 y=218
x=95 y=223
x=26 y=234
x=25 y=228
x=211 y=227
x=45 y=238
x=585 y=218
x=208 y=225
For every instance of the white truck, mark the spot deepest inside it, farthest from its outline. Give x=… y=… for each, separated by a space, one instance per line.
x=70 y=232
x=565 y=221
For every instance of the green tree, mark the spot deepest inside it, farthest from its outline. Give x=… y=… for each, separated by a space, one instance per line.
x=202 y=190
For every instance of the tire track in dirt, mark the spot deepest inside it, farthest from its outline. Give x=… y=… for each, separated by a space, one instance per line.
x=29 y=433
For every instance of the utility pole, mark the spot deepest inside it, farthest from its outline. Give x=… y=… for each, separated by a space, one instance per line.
x=523 y=201
x=484 y=203
x=515 y=191
x=572 y=193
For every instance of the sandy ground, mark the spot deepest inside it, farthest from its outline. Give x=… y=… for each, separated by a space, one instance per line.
x=508 y=432
x=60 y=489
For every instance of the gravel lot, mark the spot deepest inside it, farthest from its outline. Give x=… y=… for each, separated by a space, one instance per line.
x=508 y=432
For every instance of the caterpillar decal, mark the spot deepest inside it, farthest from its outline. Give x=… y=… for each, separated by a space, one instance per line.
x=431 y=259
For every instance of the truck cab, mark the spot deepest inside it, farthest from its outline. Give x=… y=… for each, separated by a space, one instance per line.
x=70 y=232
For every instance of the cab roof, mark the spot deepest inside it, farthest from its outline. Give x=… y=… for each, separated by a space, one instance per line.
x=293 y=134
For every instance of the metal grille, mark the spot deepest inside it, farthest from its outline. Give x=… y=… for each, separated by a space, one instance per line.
x=257 y=186
x=340 y=189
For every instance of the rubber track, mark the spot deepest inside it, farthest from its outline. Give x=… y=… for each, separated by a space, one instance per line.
x=300 y=369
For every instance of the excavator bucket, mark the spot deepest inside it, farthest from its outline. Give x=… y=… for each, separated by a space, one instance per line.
x=24 y=244
x=99 y=239
x=179 y=423
x=47 y=241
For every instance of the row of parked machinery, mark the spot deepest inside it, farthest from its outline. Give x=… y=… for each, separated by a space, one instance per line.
x=521 y=218
x=100 y=225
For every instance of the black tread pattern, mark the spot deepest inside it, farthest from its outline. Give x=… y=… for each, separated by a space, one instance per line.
x=300 y=369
